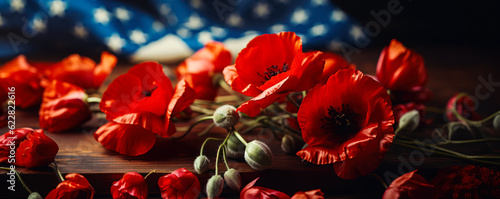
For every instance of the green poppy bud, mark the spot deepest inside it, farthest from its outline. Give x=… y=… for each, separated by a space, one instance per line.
x=226 y=116
x=291 y=144
x=201 y=164
x=258 y=155
x=214 y=186
x=234 y=147
x=496 y=122
x=233 y=179
x=409 y=121
x=35 y=195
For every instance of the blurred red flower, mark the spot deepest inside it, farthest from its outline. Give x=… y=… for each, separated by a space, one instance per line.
x=467 y=182
x=464 y=106
x=199 y=69
x=313 y=194
x=333 y=63
x=132 y=185
x=63 y=107
x=179 y=184
x=400 y=69
x=347 y=122
x=409 y=185
x=75 y=186
x=255 y=192
x=26 y=80
x=78 y=70
x=270 y=67
x=33 y=147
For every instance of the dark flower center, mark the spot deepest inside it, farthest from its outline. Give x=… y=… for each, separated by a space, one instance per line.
x=148 y=93
x=341 y=123
x=273 y=71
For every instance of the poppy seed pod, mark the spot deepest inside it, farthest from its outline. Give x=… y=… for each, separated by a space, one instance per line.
x=226 y=116
x=409 y=121
x=496 y=123
x=233 y=179
x=258 y=155
x=290 y=144
x=234 y=147
x=35 y=195
x=214 y=186
x=201 y=164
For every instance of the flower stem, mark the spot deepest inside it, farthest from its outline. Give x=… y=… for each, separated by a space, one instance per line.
x=206 y=130
x=192 y=126
x=468 y=141
x=242 y=140
x=224 y=156
x=61 y=178
x=94 y=100
x=202 y=110
x=218 y=151
x=304 y=93
x=18 y=177
x=205 y=142
x=228 y=88
x=293 y=101
x=149 y=174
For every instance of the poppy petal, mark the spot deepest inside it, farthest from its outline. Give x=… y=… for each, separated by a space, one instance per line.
x=125 y=139
x=104 y=68
x=232 y=78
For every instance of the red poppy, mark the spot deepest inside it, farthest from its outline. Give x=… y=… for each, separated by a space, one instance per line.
x=256 y=192
x=80 y=71
x=132 y=140
x=270 y=67
x=333 y=63
x=467 y=182
x=33 y=147
x=464 y=106
x=199 y=69
x=179 y=184
x=399 y=68
x=409 y=185
x=75 y=186
x=26 y=80
x=132 y=185
x=313 y=194
x=347 y=122
x=401 y=109
x=63 y=107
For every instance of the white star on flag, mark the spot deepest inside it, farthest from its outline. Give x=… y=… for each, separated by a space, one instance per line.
x=57 y=8
x=101 y=16
x=115 y=43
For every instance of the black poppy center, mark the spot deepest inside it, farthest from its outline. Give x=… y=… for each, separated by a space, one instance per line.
x=341 y=123
x=273 y=71
x=148 y=93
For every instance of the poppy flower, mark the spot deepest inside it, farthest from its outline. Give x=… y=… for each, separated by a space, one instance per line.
x=467 y=182
x=33 y=147
x=333 y=63
x=464 y=106
x=131 y=140
x=313 y=194
x=132 y=185
x=26 y=80
x=347 y=122
x=199 y=70
x=409 y=185
x=80 y=71
x=179 y=184
x=400 y=69
x=75 y=186
x=270 y=67
x=256 y=192
x=63 y=107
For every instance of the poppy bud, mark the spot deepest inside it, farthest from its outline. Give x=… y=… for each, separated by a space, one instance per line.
x=458 y=131
x=201 y=164
x=214 y=186
x=234 y=147
x=290 y=144
x=496 y=123
x=35 y=195
x=409 y=121
x=226 y=116
x=233 y=179
x=258 y=155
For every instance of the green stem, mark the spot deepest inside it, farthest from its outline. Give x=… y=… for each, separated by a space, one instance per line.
x=460 y=117
x=228 y=88
x=250 y=128
x=206 y=130
x=450 y=151
x=205 y=142
x=61 y=178
x=19 y=178
x=242 y=140
x=304 y=93
x=224 y=156
x=192 y=126
x=94 y=100
x=218 y=151
x=202 y=110
x=149 y=174
x=293 y=101
x=469 y=141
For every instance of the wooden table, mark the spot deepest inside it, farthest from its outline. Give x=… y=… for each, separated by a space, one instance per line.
x=450 y=70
